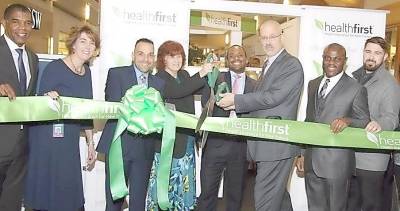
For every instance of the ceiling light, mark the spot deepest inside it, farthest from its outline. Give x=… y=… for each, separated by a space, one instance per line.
x=87 y=11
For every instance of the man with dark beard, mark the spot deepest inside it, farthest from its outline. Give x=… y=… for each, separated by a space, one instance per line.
x=366 y=186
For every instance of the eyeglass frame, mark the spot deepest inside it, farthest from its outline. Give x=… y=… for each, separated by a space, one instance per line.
x=272 y=37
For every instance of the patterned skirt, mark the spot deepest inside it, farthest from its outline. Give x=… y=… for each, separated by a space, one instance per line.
x=182 y=182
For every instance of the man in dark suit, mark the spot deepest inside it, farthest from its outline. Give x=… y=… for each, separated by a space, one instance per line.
x=137 y=149
x=18 y=74
x=222 y=153
x=276 y=95
x=338 y=100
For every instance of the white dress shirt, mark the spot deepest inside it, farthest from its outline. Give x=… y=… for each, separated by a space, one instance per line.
x=15 y=55
x=332 y=82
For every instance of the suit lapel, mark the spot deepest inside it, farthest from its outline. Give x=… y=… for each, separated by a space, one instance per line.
x=248 y=85
x=132 y=78
x=151 y=81
x=33 y=69
x=274 y=64
x=10 y=68
x=315 y=94
x=228 y=80
x=336 y=89
x=375 y=78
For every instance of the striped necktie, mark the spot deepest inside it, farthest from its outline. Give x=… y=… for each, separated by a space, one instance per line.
x=322 y=92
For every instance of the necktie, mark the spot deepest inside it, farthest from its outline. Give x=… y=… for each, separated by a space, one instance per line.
x=322 y=92
x=236 y=84
x=21 y=70
x=235 y=90
x=263 y=70
x=143 y=79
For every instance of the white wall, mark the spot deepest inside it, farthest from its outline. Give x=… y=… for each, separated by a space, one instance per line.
x=290 y=40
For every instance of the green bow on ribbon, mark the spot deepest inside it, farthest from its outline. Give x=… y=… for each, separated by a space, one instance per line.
x=142 y=111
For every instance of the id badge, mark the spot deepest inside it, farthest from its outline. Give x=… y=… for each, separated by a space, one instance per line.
x=58 y=130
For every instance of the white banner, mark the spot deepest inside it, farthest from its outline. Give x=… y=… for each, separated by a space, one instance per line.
x=125 y=21
x=350 y=28
x=221 y=21
x=321 y=26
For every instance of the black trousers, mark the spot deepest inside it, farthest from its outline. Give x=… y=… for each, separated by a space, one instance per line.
x=137 y=174
x=12 y=176
x=366 y=191
x=229 y=161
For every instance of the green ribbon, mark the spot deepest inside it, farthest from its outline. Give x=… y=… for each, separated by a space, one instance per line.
x=222 y=88
x=213 y=75
x=142 y=111
x=27 y=109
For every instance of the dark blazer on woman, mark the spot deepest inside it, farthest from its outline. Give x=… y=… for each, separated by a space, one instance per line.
x=180 y=93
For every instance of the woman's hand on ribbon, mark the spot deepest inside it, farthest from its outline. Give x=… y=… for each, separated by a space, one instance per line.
x=91 y=157
x=206 y=68
x=53 y=94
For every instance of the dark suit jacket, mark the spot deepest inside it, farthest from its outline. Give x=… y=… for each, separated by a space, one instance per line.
x=181 y=95
x=216 y=140
x=277 y=94
x=11 y=134
x=135 y=146
x=347 y=99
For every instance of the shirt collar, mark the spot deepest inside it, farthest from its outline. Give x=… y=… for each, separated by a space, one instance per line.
x=271 y=59
x=233 y=74
x=11 y=44
x=334 y=79
x=138 y=72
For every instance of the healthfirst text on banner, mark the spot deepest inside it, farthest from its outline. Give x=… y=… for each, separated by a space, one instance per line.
x=28 y=109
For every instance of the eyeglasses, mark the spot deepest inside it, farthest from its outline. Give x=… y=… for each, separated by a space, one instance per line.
x=335 y=59
x=272 y=37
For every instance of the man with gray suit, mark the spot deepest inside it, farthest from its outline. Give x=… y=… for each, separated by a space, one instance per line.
x=276 y=95
x=338 y=100
x=366 y=192
x=18 y=73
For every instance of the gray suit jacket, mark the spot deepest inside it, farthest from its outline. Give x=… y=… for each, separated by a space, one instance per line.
x=11 y=134
x=384 y=104
x=347 y=99
x=278 y=94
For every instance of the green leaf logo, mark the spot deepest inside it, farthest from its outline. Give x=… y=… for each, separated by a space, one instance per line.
x=373 y=138
x=319 y=24
x=117 y=12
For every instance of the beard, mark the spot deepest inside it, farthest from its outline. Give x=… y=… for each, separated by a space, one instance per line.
x=372 y=66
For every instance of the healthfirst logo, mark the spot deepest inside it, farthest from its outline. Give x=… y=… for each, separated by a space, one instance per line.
x=383 y=142
x=107 y=111
x=257 y=127
x=343 y=28
x=145 y=16
x=222 y=21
